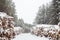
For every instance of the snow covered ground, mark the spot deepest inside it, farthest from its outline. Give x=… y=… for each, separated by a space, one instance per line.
x=28 y=36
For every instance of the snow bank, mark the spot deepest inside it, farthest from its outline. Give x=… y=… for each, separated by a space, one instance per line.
x=18 y=30
x=2 y=14
x=46 y=26
x=28 y=36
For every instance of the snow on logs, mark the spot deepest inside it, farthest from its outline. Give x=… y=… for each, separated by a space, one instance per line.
x=51 y=31
x=6 y=27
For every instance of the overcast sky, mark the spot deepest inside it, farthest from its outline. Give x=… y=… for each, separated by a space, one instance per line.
x=27 y=9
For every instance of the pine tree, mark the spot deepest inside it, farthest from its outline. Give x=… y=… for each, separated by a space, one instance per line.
x=7 y=6
x=41 y=15
x=55 y=12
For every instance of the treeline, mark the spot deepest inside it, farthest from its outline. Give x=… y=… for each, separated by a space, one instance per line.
x=49 y=13
x=24 y=25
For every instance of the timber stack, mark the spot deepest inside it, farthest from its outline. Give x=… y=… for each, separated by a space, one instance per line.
x=6 y=27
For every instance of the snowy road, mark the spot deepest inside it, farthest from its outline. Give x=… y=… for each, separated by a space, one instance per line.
x=28 y=36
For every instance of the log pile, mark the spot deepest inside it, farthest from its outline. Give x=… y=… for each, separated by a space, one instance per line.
x=6 y=27
x=53 y=34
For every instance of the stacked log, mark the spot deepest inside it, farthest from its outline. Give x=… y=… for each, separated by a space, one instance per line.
x=6 y=27
x=50 y=33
